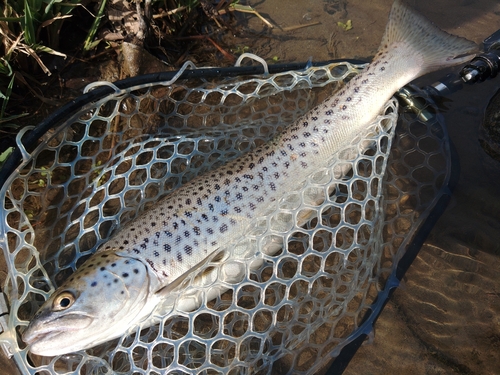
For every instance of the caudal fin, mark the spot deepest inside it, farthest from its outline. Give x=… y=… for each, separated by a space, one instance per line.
x=437 y=48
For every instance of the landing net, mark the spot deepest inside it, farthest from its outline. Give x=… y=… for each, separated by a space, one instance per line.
x=296 y=307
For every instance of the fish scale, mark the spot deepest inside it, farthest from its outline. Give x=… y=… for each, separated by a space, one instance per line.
x=191 y=223
x=216 y=209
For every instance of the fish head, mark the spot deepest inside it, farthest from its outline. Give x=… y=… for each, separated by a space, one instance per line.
x=105 y=296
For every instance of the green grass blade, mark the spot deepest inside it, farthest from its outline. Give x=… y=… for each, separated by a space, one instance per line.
x=6 y=96
x=29 y=27
x=89 y=44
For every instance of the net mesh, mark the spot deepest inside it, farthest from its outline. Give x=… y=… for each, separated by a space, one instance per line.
x=314 y=264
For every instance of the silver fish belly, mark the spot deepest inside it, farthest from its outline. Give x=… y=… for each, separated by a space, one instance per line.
x=215 y=209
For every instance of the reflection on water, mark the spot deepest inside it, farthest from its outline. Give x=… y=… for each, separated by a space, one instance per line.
x=447 y=317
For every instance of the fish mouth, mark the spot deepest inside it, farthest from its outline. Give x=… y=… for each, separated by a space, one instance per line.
x=41 y=331
x=38 y=337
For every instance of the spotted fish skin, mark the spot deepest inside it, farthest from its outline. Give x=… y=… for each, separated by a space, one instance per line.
x=215 y=209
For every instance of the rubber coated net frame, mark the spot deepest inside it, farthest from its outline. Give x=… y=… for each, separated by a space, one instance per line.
x=296 y=307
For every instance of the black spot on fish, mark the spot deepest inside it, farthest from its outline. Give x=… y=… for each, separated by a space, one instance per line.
x=102 y=268
x=125 y=274
x=94 y=283
x=136 y=271
x=210 y=231
x=186 y=234
x=223 y=228
x=167 y=247
x=115 y=280
x=179 y=257
x=188 y=250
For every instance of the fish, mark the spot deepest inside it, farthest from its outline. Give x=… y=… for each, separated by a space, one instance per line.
x=147 y=259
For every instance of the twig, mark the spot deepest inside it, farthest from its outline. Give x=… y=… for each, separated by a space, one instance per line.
x=226 y=54
x=296 y=27
x=246 y=9
x=169 y=13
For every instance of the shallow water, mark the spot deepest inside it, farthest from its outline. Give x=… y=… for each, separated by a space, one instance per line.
x=446 y=318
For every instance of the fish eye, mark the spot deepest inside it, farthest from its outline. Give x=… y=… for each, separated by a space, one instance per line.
x=63 y=301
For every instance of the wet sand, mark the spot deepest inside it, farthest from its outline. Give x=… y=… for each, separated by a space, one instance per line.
x=446 y=317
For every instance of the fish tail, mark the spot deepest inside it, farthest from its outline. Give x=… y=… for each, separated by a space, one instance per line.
x=432 y=47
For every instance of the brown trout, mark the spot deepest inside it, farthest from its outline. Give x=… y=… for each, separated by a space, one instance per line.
x=122 y=283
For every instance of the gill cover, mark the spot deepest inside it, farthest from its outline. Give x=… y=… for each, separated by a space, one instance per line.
x=103 y=298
